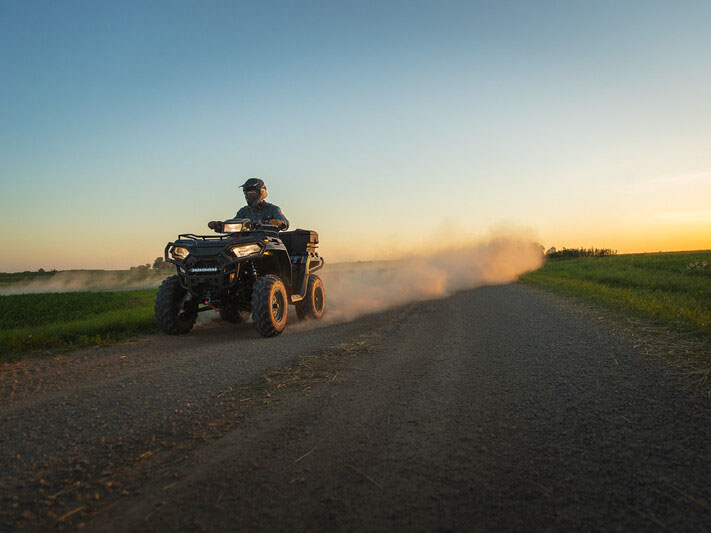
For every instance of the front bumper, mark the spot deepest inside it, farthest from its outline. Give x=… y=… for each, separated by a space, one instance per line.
x=210 y=268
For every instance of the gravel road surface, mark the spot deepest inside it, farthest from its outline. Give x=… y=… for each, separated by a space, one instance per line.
x=497 y=408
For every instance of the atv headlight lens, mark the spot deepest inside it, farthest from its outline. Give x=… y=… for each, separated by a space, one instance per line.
x=244 y=250
x=178 y=252
x=233 y=227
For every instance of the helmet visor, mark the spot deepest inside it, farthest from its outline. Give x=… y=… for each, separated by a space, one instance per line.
x=252 y=195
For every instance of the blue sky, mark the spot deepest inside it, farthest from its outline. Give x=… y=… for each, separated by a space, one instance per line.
x=124 y=123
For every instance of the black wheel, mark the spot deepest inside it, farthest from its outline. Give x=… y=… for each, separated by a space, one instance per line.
x=231 y=314
x=300 y=313
x=175 y=311
x=269 y=306
x=314 y=303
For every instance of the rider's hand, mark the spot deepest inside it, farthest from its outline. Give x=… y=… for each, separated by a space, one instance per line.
x=215 y=225
x=276 y=222
x=211 y=224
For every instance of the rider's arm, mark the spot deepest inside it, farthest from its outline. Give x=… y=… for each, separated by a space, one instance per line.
x=279 y=216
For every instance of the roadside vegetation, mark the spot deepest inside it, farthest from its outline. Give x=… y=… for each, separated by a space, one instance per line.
x=673 y=289
x=57 y=321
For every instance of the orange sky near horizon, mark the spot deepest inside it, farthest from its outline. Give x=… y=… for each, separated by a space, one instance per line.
x=96 y=251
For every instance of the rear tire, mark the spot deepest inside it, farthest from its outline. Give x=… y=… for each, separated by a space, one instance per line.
x=269 y=306
x=314 y=303
x=300 y=313
x=231 y=315
x=175 y=312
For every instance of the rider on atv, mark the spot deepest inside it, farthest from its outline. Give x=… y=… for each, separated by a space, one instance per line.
x=257 y=210
x=252 y=266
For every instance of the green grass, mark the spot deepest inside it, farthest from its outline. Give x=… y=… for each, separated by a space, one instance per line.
x=35 y=322
x=673 y=289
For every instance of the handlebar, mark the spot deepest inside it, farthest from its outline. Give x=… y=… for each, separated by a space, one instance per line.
x=219 y=226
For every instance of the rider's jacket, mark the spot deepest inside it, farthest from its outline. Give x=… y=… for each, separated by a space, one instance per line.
x=263 y=213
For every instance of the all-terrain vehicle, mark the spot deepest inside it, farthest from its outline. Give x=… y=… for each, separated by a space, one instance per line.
x=246 y=268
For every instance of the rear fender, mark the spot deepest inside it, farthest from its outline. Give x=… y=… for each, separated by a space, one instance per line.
x=302 y=266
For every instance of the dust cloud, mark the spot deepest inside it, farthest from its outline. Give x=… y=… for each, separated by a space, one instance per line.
x=88 y=280
x=354 y=289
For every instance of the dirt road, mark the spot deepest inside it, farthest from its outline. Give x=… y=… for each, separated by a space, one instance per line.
x=497 y=408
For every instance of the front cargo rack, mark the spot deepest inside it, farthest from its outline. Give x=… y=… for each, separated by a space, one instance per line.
x=236 y=235
x=194 y=237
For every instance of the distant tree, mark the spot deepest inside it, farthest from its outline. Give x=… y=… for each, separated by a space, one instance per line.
x=161 y=264
x=40 y=270
x=572 y=253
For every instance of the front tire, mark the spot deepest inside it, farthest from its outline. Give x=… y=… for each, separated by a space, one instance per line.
x=269 y=306
x=314 y=303
x=175 y=312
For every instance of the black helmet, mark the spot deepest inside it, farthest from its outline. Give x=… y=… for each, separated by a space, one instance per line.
x=254 y=191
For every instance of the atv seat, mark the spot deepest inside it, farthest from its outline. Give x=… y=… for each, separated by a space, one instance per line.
x=299 y=241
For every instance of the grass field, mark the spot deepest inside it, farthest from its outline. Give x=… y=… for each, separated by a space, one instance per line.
x=36 y=322
x=673 y=289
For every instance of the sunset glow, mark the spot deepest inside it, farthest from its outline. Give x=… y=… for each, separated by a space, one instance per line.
x=383 y=127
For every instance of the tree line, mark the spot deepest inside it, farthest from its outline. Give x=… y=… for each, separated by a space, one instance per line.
x=158 y=264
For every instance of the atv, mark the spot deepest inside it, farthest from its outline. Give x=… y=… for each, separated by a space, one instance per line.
x=246 y=268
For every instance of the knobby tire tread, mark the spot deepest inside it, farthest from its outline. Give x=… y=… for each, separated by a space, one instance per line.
x=305 y=308
x=261 y=306
x=166 y=315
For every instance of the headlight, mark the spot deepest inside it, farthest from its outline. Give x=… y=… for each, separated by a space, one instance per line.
x=244 y=250
x=178 y=252
x=234 y=226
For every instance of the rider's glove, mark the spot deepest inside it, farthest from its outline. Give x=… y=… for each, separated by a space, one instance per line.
x=276 y=222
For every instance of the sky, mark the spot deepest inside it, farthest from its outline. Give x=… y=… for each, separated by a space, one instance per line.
x=385 y=126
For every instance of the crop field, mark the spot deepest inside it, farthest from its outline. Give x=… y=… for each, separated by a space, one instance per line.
x=39 y=322
x=673 y=289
